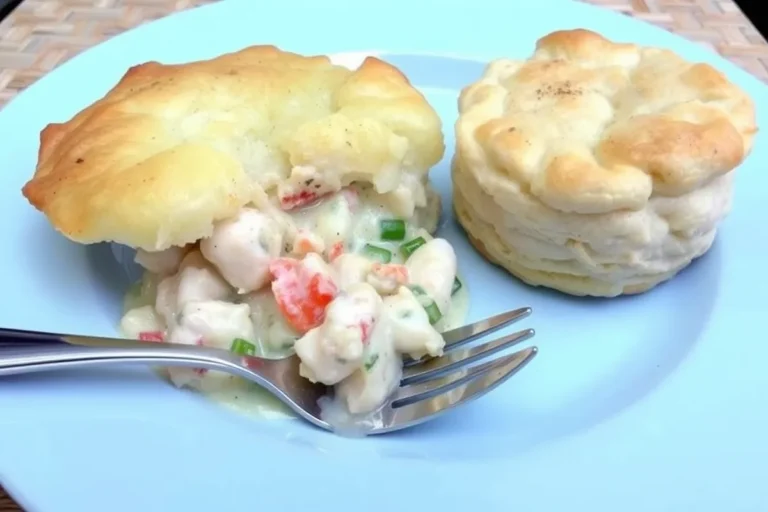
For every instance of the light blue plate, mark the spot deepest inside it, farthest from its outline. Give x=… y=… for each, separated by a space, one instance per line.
x=652 y=403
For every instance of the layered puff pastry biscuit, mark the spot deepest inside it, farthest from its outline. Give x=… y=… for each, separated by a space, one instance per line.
x=597 y=168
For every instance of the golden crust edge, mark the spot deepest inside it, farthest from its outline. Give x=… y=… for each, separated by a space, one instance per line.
x=52 y=134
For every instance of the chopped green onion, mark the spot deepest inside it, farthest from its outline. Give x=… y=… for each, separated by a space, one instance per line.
x=377 y=253
x=392 y=229
x=433 y=312
x=410 y=247
x=456 y=286
x=243 y=347
x=371 y=362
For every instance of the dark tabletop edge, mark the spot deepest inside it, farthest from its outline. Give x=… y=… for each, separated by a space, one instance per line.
x=751 y=9
x=7 y=6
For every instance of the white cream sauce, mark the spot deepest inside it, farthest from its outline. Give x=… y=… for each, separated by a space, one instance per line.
x=248 y=399
x=349 y=219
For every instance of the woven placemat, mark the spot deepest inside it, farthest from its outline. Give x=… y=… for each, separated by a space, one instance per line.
x=42 y=34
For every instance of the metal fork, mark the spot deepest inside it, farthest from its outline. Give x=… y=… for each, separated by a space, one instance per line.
x=428 y=387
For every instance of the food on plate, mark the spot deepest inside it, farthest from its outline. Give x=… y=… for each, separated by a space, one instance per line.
x=597 y=168
x=277 y=203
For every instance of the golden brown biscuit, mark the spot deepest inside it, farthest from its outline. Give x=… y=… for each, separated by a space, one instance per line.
x=597 y=168
x=172 y=149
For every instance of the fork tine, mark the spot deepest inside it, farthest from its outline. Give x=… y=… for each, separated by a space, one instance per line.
x=441 y=365
x=412 y=393
x=429 y=399
x=456 y=338
x=467 y=333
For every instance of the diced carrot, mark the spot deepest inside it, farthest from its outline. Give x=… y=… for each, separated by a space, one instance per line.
x=153 y=336
x=303 y=246
x=305 y=242
x=335 y=251
x=321 y=290
x=301 y=295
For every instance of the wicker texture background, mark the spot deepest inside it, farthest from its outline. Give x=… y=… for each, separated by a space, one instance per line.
x=42 y=34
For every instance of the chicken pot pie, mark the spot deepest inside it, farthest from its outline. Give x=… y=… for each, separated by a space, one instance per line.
x=597 y=168
x=277 y=202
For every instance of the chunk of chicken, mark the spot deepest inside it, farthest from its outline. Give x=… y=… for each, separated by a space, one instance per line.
x=196 y=281
x=315 y=264
x=140 y=320
x=161 y=262
x=412 y=333
x=351 y=268
x=335 y=223
x=433 y=267
x=372 y=383
x=334 y=350
x=213 y=324
x=241 y=249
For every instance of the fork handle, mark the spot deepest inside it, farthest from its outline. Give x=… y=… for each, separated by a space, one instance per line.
x=32 y=351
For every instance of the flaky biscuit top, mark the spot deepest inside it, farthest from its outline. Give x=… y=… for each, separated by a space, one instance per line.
x=172 y=149
x=590 y=126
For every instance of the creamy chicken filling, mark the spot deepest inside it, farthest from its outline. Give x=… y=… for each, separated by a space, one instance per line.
x=340 y=280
